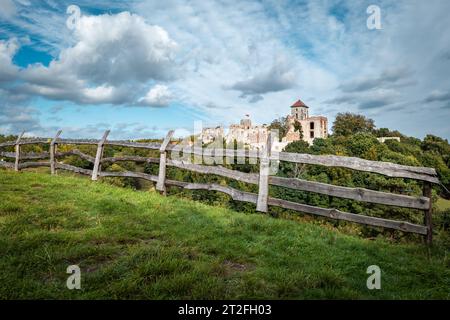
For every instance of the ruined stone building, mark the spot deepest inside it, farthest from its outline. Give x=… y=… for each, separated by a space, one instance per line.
x=247 y=134
x=312 y=127
x=255 y=136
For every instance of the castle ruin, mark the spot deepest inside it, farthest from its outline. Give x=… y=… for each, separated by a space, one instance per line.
x=255 y=135
x=312 y=127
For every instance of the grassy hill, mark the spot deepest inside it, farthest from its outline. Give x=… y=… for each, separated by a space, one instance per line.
x=141 y=245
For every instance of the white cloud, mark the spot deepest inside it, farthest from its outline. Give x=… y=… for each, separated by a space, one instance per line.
x=158 y=96
x=116 y=48
x=115 y=56
x=8 y=49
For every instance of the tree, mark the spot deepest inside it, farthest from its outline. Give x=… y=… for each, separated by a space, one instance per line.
x=290 y=169
x=347 y=124
x=299 y=146
x=385 y=132
x=323 y=146
x=298 y=128
x=281 y=125
x=436 y=144
x=382 y=132
x=360 y=144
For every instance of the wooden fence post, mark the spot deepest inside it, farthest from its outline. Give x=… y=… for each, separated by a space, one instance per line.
x=160 y=185
x=428 y=221
x=98 y=156
x=16 y=164
x=264 y=169
x=53 y=146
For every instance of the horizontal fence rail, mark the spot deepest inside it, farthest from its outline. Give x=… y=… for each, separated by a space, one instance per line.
x=263 y=179
x=384 y=168
x=358 y=194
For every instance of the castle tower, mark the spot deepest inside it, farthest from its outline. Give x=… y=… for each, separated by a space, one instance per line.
x=299 y=110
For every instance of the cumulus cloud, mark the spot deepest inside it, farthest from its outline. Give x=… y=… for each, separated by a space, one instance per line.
x=158 y=96
x=7 y=51
x=113 y=49
x=113 y=57
x=102 y=94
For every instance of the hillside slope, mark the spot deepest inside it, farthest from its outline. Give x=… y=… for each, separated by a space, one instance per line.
x=141 y=245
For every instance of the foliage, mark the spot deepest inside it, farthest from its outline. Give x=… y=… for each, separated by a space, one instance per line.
x=281 y=125
x=298 y=128
x=297 y=147
x=347 y=124
x=385 y=132
x=362 y=145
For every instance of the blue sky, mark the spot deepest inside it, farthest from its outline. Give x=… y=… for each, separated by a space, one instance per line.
x=141 y=68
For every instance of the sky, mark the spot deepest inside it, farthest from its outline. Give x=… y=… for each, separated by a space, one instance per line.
x=141 y=68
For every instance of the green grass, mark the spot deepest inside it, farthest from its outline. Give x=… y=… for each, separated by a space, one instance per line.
x=443 y=204
x=140 y=245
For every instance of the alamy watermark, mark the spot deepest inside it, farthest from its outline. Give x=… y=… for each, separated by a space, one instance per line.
x=374 y=280
x=75 y=13
x=374 y=19
x=74 y=280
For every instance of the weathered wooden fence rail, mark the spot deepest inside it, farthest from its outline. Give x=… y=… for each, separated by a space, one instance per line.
x=262 y=200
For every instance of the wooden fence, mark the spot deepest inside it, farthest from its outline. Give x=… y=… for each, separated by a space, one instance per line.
x=262 y=200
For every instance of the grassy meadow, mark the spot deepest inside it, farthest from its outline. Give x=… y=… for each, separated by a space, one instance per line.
x=141 y=245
